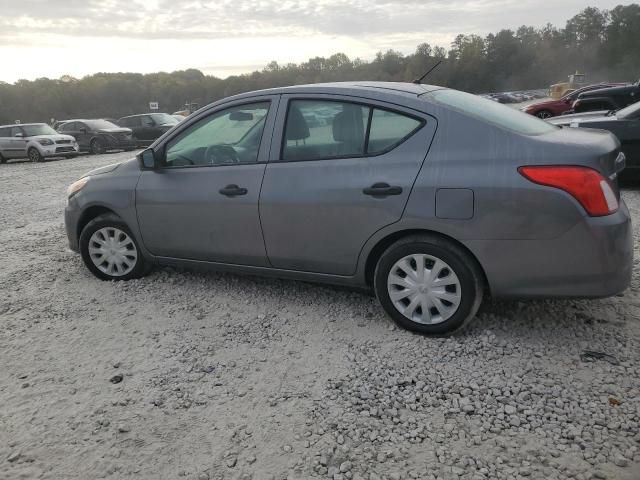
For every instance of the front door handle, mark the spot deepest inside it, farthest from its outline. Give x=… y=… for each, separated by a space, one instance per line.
x=233 y=190
x=382 y=190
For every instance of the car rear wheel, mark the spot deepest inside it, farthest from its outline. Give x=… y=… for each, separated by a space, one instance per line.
x=34 y=155
x=109 y=249
x=428 y=285
x=96 y=146
x=543 y=114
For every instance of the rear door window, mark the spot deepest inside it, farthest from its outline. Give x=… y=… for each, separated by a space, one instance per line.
x=327 y=129
x=389 y=129
x=5 y=132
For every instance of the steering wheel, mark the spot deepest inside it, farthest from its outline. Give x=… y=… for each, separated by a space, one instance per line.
x=220 y=154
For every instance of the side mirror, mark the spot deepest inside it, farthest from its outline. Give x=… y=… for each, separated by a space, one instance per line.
x=149 y=159
x=83 y=130
x=18 y=135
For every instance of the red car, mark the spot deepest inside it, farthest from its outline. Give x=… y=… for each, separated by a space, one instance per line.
x=553 y=108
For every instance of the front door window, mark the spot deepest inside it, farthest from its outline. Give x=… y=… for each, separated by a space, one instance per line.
x=228 y=137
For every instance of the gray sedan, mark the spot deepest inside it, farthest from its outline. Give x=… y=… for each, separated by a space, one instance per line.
x=431 y=197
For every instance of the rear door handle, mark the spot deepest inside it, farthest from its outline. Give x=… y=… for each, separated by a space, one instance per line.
x=233 y=190
x=382 y=190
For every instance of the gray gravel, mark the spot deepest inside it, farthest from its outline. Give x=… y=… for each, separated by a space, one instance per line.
x=229 y=377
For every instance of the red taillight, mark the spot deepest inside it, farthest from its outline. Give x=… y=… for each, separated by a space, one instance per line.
x=585 y=184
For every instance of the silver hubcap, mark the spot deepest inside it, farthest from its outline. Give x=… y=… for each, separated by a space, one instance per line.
x=112 y=251
x=33 y=154
x=424 y=289
x=544 y=115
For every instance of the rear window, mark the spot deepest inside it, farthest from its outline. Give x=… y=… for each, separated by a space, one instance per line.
x=491 y=112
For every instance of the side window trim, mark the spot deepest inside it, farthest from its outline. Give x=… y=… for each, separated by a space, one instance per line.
x=265 y=140
x=278 y=145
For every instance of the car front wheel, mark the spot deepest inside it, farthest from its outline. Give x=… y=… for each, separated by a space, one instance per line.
x=34 y=155
x=428 y=285
x=109 y=249
x=544 y=114
x=96 y=146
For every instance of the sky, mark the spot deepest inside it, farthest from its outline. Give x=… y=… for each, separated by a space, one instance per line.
x=52 y=38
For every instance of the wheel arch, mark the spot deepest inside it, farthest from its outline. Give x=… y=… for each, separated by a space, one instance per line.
x=89 y=214
x=378 y=249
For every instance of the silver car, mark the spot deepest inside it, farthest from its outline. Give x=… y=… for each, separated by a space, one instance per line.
x=35 y=141
x=431 y=197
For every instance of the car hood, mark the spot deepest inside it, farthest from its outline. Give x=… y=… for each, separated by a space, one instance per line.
x=115 y=130
x=544 y=103
x=55 y=138
x=599 y=116
x=102 y=170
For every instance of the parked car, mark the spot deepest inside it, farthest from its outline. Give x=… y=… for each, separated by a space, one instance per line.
x=553 y=108
x=613 y=98
x=429 y=196
x=624 y=124
x=35 y=141
x=149 y=126
x=98 y=136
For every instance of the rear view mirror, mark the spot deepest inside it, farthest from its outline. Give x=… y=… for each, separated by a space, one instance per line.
x=240 y=116
x=148 y=159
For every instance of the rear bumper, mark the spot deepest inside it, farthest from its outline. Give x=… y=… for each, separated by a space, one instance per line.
x=593 y=259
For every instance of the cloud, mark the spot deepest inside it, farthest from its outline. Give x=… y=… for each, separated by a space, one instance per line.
x=166 y=34
x=217 y=19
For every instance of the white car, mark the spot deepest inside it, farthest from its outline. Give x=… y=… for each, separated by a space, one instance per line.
x=35 y=141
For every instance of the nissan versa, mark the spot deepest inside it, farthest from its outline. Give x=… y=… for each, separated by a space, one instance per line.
x=429 y=196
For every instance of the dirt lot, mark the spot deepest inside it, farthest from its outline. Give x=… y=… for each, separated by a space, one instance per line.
x=229 y=377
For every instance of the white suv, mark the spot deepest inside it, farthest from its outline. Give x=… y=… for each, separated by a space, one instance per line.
x=34 y=141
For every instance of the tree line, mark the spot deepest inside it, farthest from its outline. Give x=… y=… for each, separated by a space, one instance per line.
x=602 y=43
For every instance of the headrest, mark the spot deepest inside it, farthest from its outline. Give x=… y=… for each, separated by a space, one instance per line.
x=297 y=128
x=347 y=125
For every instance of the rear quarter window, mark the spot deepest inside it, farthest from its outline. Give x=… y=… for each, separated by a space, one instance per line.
x=491 y=112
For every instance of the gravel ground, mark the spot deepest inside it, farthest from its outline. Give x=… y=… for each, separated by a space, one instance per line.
x=230 y=377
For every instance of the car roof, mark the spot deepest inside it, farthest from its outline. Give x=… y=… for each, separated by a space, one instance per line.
x=143 y=114
x=392 y=88
x=609 y=90
x=22 y=124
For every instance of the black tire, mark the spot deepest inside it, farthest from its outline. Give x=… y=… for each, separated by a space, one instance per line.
x=544 y=114
x=2 y=159
x=468 y=273
x=110 y=220
x=34 y=155
x=96 y=147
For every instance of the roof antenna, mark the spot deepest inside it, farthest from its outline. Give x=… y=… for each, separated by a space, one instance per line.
x=418 y=81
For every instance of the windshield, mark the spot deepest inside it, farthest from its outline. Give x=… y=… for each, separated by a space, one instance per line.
x=38 y=129
x=164 y=119
x=632 y=111
x=100 y=124
x=492 y=112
